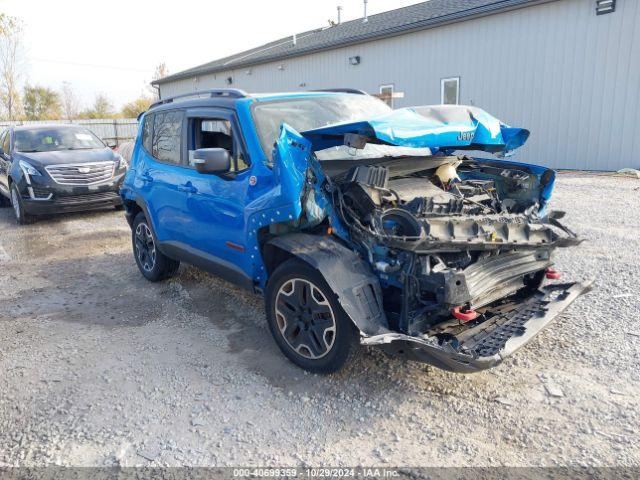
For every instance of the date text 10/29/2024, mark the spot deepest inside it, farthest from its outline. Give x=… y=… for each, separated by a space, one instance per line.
x=360 y=472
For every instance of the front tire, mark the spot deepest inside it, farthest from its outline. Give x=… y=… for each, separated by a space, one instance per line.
x=22 y=218
x=306 y=319
x=153 y=265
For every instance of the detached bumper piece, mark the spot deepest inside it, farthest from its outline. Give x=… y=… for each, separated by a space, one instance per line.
x=484 y=344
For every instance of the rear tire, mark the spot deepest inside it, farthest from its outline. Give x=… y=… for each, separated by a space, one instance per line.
x=153 y=265
x=306 y=319
x=22 y=218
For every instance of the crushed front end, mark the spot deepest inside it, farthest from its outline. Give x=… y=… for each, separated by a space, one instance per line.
x=461 y=247
x=462 y=254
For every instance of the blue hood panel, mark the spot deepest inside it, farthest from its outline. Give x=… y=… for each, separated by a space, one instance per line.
x=438 y=127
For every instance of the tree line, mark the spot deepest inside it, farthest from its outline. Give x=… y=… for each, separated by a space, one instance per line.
x=37 y=102
x=44 y=103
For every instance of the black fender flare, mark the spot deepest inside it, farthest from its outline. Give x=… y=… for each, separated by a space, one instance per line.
x=140 y=203
x=130 y=216
x=349 y=276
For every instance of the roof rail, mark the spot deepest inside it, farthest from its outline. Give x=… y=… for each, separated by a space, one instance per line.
x=218 y=92
x=343 y=90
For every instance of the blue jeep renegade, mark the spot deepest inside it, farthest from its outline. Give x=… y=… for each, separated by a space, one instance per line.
x=359 y=224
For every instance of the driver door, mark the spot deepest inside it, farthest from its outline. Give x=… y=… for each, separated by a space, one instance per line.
x=216 y=202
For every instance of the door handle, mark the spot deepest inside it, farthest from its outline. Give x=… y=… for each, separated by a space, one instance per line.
x=187 y=188
x=145 y=177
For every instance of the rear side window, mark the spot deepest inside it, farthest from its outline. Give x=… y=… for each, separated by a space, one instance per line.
x=147 y=129
x=167 y=137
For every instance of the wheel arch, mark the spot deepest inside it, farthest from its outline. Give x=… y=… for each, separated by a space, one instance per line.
x=131 y=209
x=351 y=278
x=19 y=181
x=135 y=206
x=274 y=255
x=16 y=175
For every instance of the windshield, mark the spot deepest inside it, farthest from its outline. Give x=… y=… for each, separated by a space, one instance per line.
x=307 y=113
x=55 y=139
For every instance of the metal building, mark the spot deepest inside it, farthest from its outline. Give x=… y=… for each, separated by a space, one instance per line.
x=568 y=70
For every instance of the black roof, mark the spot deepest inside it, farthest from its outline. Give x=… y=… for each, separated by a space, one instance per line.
x=414 y=17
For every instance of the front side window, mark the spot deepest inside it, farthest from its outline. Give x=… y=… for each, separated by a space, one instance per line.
x=167 y=137
x=53 y=139
x=450 y=91
x=216 y=133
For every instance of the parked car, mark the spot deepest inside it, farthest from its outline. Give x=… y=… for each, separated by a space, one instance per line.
x=48 y=169
x=356 y=222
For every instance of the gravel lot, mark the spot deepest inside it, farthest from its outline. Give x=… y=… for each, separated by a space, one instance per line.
x=101 y=368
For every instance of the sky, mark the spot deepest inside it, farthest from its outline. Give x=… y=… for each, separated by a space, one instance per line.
x=113 y=47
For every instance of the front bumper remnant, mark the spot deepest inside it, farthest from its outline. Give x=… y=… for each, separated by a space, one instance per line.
x=487 y=344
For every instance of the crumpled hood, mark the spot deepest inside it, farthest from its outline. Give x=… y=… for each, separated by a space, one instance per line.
x=438 y=127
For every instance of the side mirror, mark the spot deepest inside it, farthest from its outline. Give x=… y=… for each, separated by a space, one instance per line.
x=212 y=160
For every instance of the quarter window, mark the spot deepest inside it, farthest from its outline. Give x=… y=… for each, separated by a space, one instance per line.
x=147 y=129
x=167 y=135
x=450 y=91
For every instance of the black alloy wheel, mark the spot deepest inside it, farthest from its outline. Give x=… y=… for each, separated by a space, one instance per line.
x=152 y=263
x=306 y=319
x=145 y=247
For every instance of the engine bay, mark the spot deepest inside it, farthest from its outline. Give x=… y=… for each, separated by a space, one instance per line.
x=448 y=234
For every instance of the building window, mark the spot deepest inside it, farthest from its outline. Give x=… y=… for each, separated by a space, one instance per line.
x=450 y=91
x=386 y=94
